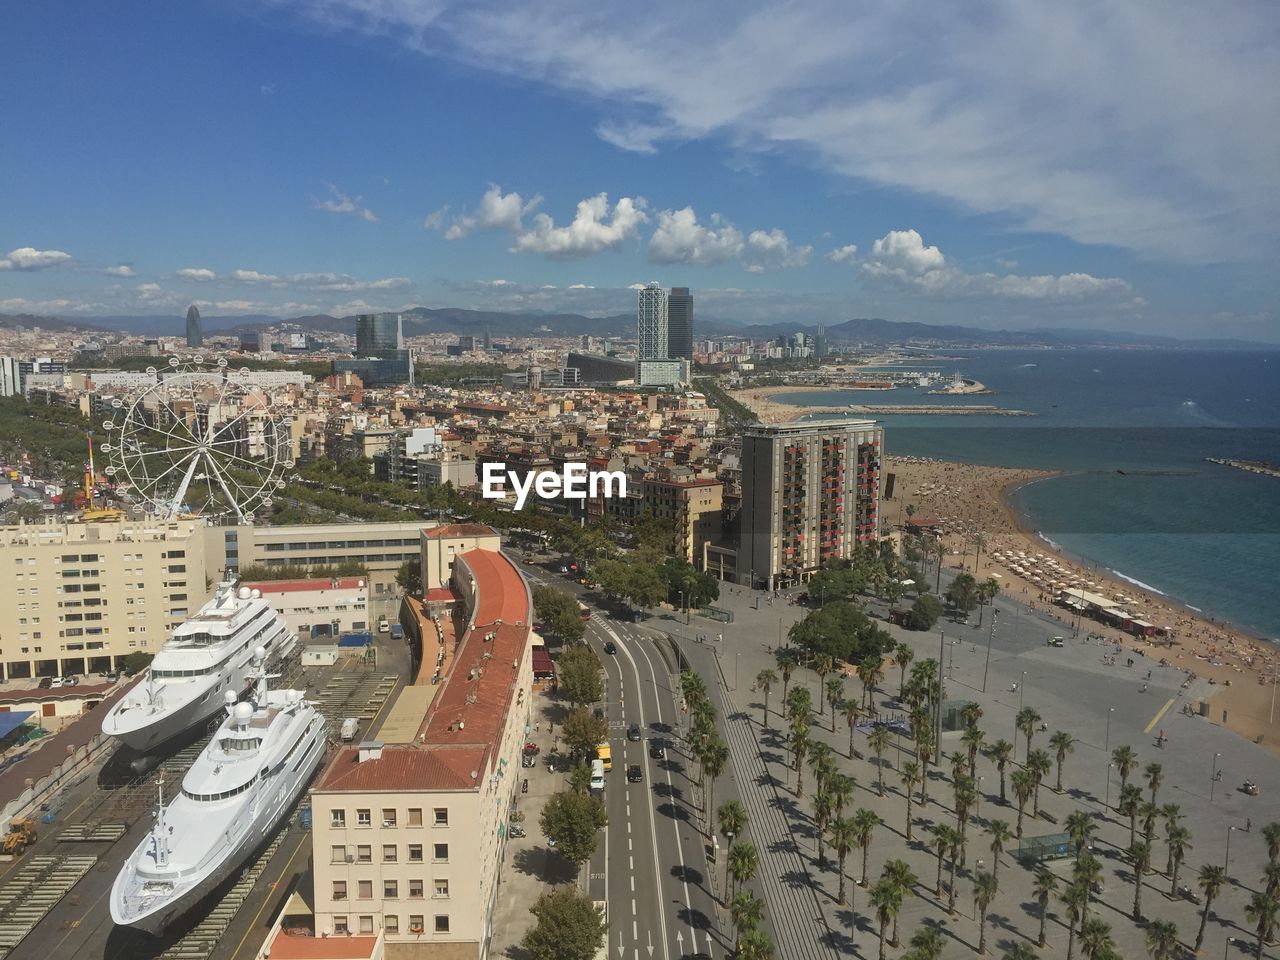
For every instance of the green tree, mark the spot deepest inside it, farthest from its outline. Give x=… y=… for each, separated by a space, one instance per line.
x=962 y=593
x=1211 y=880
x=583 y=732
x=732 y=817
x=910 y=775
x=136 y=662
x=1162 y=939
x=1129 y=804
x=746 y=912
x=799 y=742
x=1080 y=827
x=1000 y=837
x=840 y=630
x=1043 y=889
x=1018 y=950
x=799 y=701
x=1140 y=860
x=851 y=710
x=765 y=680
x=1126 y=761
x=1178 y=839
x=924 y=612
x=1096 y=942
x=1062 y=744
x=1039 y=764
x=574 y=820
x=1154 y=774
x=579 y=675
x=870 y=672
x=1074 y=896
x=926 y=944
x=1027 y=720
x=973 y=742
x=864 y=825
x=823 y=810
x=823 y=664
x=559 y=613
x=1261 y=911
x=984 y=891
x=986 y=591
x=835 y=695
x=1024 y=785
x=409 y=577
x=944 y=838
x=878 y=741
x=744 y=861
x=1001 y=752
x=900 y=874
x=902 y=656
x=569 y=927
x=755 y=945
x=843 y=836
x=886 y=901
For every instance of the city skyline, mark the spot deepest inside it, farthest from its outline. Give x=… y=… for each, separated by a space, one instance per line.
x=843 y=184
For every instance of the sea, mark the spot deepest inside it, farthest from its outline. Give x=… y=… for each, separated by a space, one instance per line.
x=1131 y=431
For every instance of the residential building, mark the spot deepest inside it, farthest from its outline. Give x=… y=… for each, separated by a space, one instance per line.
x=680 y=324
x=10 y=377
x=809 y=496
x=409 y=838
x=440 y=547
x=195 y=329
x=651 y=322
x=694 y=505
x=325 y=607
x=79 y=597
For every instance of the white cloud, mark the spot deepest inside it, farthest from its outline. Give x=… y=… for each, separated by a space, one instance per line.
x=680 y=238
x=435 y=219
x=845 y=254
x=44 y=307
x=339 y=202
x=29 y=258
x=253 y=276
x=595 y=227
x=902 y=253
x=198 y=274
x=633 y=137
x=772 y=250
x=120 y=270
x=343 y=282
x=497 y=211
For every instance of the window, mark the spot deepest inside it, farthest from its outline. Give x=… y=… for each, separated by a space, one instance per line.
x=337 y=818
x=339 y=889
x=415 y=923
x=337 y=853
x=390 y=889
x=364 y=818
x=440 y=852
x=391 y=923
x=441 y=888
x=415 y=853
x=442 y=923
x=364 y=853
x=340 y=925
x=415 y=889
x=388 y=853
x=366 y=923
x=415 y=816
x=388 y=816
x=441 y=816
x=365 y=888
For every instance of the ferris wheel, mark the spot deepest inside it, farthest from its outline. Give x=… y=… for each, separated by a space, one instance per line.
x=198 y=440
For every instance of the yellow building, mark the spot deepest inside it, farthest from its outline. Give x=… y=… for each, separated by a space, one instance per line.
x=694 y=505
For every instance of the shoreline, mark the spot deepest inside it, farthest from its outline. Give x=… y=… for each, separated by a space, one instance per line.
x=769 y=410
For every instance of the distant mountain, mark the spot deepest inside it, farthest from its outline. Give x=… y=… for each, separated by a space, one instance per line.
x=10 y=321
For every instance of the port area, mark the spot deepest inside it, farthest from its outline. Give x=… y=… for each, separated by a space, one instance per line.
x=54 y=898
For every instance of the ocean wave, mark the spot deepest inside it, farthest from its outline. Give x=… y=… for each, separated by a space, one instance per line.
x=1050 y=542
x=1025 y=365
x=1138 y=583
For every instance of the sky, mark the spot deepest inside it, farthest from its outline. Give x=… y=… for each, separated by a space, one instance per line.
x=1005 y=164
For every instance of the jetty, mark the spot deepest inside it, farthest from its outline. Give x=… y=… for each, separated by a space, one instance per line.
x=1249 y=466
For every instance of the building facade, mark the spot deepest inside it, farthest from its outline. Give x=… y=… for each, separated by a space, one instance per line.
x=319 y=608
x=694 y=506
x=378 y=332
x=680 y=324
x=662 y=373
x=651 y=322
x=809 y=495
x=195 y=329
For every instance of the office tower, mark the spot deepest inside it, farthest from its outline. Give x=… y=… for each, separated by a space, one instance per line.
x=680 y=324
x=195 y=329
x=488 y=340
x=809 y=496
x=376 y=332
x=10 y=377
x=651 y=322
x=820 y=341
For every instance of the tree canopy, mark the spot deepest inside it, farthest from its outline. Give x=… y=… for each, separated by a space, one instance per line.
x=840 y=630
x=558 y=611
x=573 y=820
x=569 y=927
x=580 y=675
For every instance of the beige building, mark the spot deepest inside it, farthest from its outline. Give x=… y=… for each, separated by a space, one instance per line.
x=409 y=838
x=695 y=505
x=78 y=597
x=319 y=608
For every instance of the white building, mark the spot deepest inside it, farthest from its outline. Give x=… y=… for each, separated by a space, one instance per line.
x=662 y=373
x=651 y=322
x=319 y=608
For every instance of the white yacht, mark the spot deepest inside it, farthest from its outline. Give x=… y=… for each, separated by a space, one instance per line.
x=238 y=790
x=208 y=655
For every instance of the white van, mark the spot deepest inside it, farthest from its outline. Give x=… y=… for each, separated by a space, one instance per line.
x=349 y=726
x=597 y=774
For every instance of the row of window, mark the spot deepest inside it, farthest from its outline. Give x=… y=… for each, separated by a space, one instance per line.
x=390 y=853
x=390 y=817
x=391 y=924
x=391 y=889
x=340 y=545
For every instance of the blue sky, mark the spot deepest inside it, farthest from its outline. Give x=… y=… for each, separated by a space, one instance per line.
x=997 y=164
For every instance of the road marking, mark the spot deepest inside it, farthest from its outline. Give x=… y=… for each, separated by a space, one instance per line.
x=266 y=901
x=1159 y=713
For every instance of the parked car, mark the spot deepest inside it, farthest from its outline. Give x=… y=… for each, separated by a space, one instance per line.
x=1056 y=641
x=633 y=773
x=46 y=683
x=55 y=682
x=633 y=732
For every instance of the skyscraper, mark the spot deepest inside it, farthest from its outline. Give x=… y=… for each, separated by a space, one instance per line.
x=651 y=322
x=820 y=341
x=378 y=332
x=680 y=324
x=195 y=330
x=809 y=496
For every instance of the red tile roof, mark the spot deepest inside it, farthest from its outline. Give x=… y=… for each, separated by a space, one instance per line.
x=286 y=947
x=459 y=530
x=405 y=767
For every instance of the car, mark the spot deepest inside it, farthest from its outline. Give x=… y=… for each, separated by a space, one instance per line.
x=633 y=773
x=633 y=732
x=598 y=713
x=527 y=761
x=529 y=561
x=657 y=750
x=46 y=682
x=1056 y=641
x=55 y=682
x=563 y=568
x=610 y=647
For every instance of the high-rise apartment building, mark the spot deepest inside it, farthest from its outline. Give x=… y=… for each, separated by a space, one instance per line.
x=378 y=332
x=809 y=496
x=195 y=329
x=651 y=322
x=680 y=324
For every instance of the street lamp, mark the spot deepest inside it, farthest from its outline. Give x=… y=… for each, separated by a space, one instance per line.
x=1213 y=777
x=1106 y=748
x=1225 y=946
x=977 y=806
x=1107 y=803
x=1227 y=859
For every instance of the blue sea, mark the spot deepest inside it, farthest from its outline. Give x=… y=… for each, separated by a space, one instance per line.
x=1130 y=429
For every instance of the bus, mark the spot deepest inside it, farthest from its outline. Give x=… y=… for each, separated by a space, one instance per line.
x=584 y=611
x=604 y=754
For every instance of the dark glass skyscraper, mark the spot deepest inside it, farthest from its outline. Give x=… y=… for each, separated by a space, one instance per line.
x=378 y=332
x=680 y=324
x=195 y=329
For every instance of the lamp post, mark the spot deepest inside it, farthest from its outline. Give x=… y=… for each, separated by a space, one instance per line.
x=977 y=806
x=1021 y=687
x=1230 y=941
x=1107 y=743
x=1213 y=777
x=1107 y=803
x=1227 y=859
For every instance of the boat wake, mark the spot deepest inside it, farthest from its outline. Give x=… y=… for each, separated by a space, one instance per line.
x=1138 y=583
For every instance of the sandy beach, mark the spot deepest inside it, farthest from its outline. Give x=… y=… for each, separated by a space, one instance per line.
x=769 y=410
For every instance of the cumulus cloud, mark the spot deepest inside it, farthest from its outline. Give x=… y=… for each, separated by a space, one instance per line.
x=345 y=282
x=53 y=306
x=845 y=254
x=497 y=211
x=120 y=270
x=595 y=227
x=772 y=250
x=435 y=219
x=29 y=258
x=680 y=238
x=339 y=202
x=198 y=274
x=253 y=276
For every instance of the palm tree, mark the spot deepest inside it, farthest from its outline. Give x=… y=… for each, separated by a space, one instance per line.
x=878 y=741
x=732 y=817
x=927 y=944
x=1000 y=837
x=1024 y=785
x=886 y=900
x=903 y=877
x=1126 y=761
x=823 y=807
x=1129 y=804
x=972 y=739
x=1148 y=811
x=1178 y=839
x=799 y=743
x=1001 y=751
x=984 y=891
x=843 y=836
x=754 y=945
x=746 y=912
x=864 y=824
x=970 y=714
x=1081 y=828
x=799 y=701
x=1044 y=887
x=1261 y=910
x=957 y=853
x=823 y=665
x=1271 y=834
x=1155 y=777
x=1140 y=859
x=852 y=712
x=870 y=670
x=1086 y=871
x=1027 y=720
x=1211 y=880
x=924 y=750
x=821 y=764
x=1096 y=942
x=1062 y=744
x=765 y=680
x=910 y=774
x=1073 y=898
x=841 y=787
x=835 y=693
x=1039 y=764
x=902 y=656
x=714 y=759
x=1162 y=939
x=744 y=861
x=1019 y=951
x=944 y=838
x=787 y=666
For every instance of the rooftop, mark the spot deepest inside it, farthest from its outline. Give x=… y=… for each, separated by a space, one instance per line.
x=298 y=586
x=450 y=530
x=287 y=947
